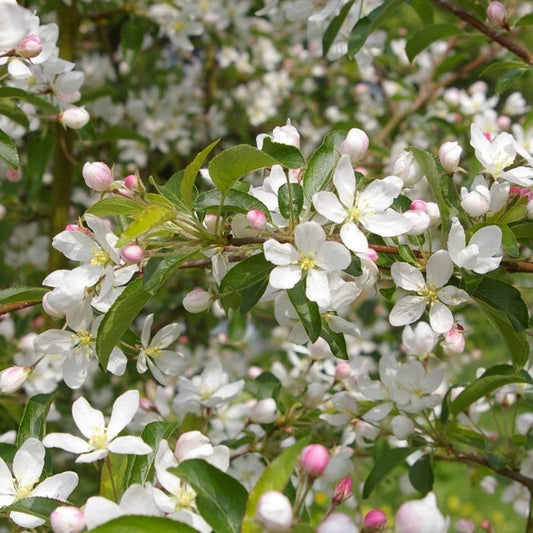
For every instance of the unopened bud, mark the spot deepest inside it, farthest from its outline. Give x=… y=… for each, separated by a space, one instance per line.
x=402 y=427
x=342 y=491
x=372 y=254
x=256 y=219
x=433 y=212
x=274 y=511
x=420 y=516
x=263 y=411
x=31 y=46
x=67 y=519
x=335 y=523
x=210 y=221
x=131 y=182
x=343 y=370
x=465 y=526
x=419 y=205
x=131 y=253
x=314 y=460
x=74 y=117
x=375 y=520
x=406 y=168
x=197 y=300
x=355 y=145
x=454 y=341
x=97 y=176
x=49 y=309
x=13 y=175
x=420 y=221
x=504 y=122
x=12 y=378
x=450 y=155
x=497 y=14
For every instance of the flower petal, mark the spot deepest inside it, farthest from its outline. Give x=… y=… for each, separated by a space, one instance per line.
x=285 y=277
x=280 y=254
x=407 y=276
x=317 y=288
x=129 y=445
x=344 y=181
x=308 y=237
x=332 y=256
x=439 y=268
x=440 y=318
x=407 y=310
x=328 y=205
x=88 y=420
x=124 y=410
x=67 y=442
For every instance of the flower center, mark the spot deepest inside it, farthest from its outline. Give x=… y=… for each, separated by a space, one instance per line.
x=153 y=351
x=100 y=257
x=183 y=498
x=429 y=293
x=99 y=440
x=307 y=261
x=360 y=211
x=23 y=491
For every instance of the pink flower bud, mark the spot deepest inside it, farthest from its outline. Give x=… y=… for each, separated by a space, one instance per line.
x=374 y=520
x=314 y=460
x=131 y=182
x=465 y=526
x=402 y=427
x=406 y=168
x=254 y=371
x=12 y=378
x=335 y=523
x=420 y=221
x=355 y=145
x=13 y=175
x=97 y=176
x=454 y=341
x=72 y=227
x=31 y=46
x=210 y=222
x=67 y=519
x=131 y=253
x=197 y=300
x=504 y=122
x=420 y=516
x=263 y=411
x=146 y=404
x=256 y=219
x=419 y=205
x=74 y=117
x=497 y=14
x=372 y=254
x=274 y=511
x=450 y=155
x=342 y=491
x=343 y=370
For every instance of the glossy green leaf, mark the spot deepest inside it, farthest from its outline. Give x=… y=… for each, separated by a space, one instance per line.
x=354 y=268
x=235 y=200
x=41 y=148
x=501 y=65
x=307 y=311
x=421 y=474
x=493 y=378
x=171 y=191
x=384 y=466
x=336 y=341
x=275 y=476
x=33 y=421
x=143 y=524
x=149 y=218
x=369 y=24
x=525 y=20
x=334 y=26
x=189 y=176
x=290 y=200
x=232 y=164
x=36 y=506
x=221 y=499
x=11 y=111
x=285 y=154
x=424 y=10
x=427 y=35
x=508 y=79
x=20 y=94
x=132 y=33
x=523 y=232
x=322 y=163
x=115 y=206
x=8 y=150
x=118 y=319
x=22 y=294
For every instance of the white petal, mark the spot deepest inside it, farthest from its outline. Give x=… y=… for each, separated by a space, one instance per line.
x=88 y=420
x=407 y=276
x=285 y=277
x=407 y=310
x=280 y=253
x=58 y=487
x=354 y=238
x=440 y=318
x=29 y=462
x=344 y=180
x=129 y=445
x=74 y=245
x=117 y=362
x=387 y=224
x=75 y=369
x=488 y=239
x=124 y=410
x=93 y=456
x=67 y=442
x=332 y=256
x=147 y=326
x=99 y=510
x=167 y=335
x=317 y=288
x=381 y=193
x=6 y=483
x=439 y=268
x=328 y=205
x=451 y=295
x=25 y=520
x=308 y=237
x=456 y=240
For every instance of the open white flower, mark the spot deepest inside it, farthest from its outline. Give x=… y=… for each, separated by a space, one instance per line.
x=483 y=252
x=313 y=257
x=101 y=439
x=24 y=482
x=431 y=293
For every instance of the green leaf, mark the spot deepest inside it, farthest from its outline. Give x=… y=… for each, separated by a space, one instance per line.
x=247 y=278
x=131 y=35
x=509 y=240
x=334 y=26
x=285 y=154
x=41 y=148
x=33 y=421
x=501 y=65
x=36 y=506
x=407 y=254
x=115 y=206
x=159 y=270
x=383 y=467
x=147 y=219
x=526 y=20
x=322 y=163
x=354 y=268
x=427 y=35
x=235 y=200
x=22 y=295
x=189 y=176
x=230 y=165
x=118 y=319
x=275 y=476
x=221 y=499
x=290 y=199
x=8 y=151
x=424 y=10
x=336 y=341
x=507 y=80
x=143 y=524
x=493 y=378
x=11 y=111
x=523 y=232
x=20 y=94
x=307 y=311
x=141 y=467
x=421 y=474
x=171 y=190
x=369 y=24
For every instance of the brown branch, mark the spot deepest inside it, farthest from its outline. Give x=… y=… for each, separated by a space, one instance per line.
x=15 y=306
x=493 y=34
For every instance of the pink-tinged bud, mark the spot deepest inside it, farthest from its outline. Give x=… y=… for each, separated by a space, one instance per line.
x=263 y=411
x=420 y=221
x=335 y=523
x=210 y=221
x=504 y=122
x=433 y=212
x=254 y=371
x=419 y=205
x=72 y=227
x=342 y=371
x=375 y=520
x=146 y=404
x=402 y=427
x=67 y=519
x=406 y=168
x=256 y=219
x=287 y=134
x=74 y=117
x=197 y=300
x=13 y=175
x=12 y=378
x=31 y=46
x=97 y=176
x=274 y=511
x=372 y=254
x=314 y=460
x=465 y=526
x=355 y=145
x=454 y=341
x=420 y=516
x=497 y=14
x=131 y=182
x=450 y=155
x=487 y=135
x=342 y=491
x=49 y=309
x=131 y=253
